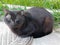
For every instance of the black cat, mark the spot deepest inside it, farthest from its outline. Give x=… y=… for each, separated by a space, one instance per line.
x=36 y=22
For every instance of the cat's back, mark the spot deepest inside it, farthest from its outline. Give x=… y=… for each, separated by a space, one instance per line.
x=39 y=13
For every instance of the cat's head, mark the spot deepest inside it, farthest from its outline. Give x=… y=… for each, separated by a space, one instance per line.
x=14 y=19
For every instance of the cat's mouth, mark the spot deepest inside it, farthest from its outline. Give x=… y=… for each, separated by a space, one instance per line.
x=17 y=27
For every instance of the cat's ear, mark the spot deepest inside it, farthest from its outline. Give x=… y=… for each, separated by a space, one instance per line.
x=6 y=11
x=21 y=12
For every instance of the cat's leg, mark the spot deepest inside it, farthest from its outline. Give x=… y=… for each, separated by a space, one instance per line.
x=29 y=30
x=48 y=25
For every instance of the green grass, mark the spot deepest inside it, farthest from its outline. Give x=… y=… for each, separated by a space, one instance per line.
x=57 y=16
x=56 y=19
x=52 y=4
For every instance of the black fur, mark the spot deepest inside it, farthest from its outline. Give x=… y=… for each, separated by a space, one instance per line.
x=36 y=22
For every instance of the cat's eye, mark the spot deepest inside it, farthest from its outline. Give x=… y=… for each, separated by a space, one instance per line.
x=17 y=21
x=8 y=21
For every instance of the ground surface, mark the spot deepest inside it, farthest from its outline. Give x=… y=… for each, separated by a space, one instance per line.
x=8 y=38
